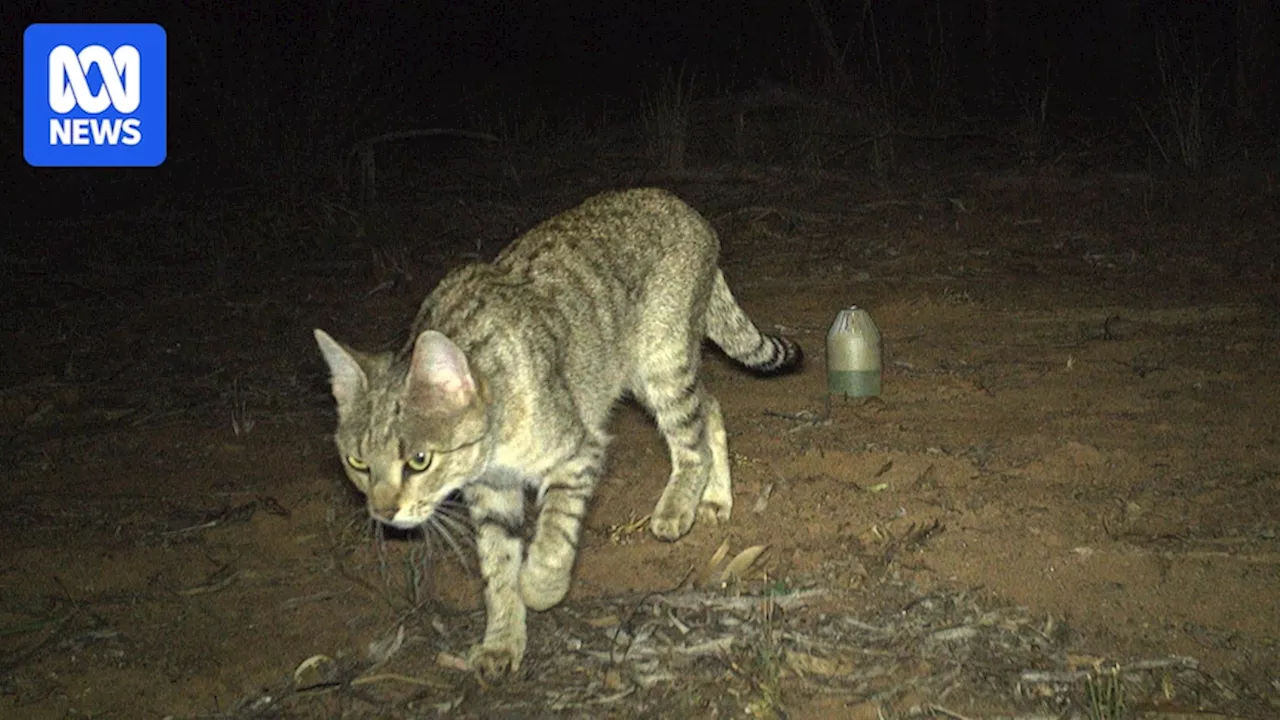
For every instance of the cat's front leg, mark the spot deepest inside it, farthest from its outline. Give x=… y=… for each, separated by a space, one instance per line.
x=544 y=581
x=497 y=515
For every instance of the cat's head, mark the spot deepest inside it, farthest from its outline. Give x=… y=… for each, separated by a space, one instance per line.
x=409 y=434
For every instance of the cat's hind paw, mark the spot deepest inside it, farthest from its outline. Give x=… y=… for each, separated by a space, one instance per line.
x=714 y=513
x=671 y=522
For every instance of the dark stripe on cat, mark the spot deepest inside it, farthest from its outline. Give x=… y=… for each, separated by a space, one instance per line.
x=510 y=525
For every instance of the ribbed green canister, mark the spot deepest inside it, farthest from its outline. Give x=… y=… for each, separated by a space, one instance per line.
x=853 y=354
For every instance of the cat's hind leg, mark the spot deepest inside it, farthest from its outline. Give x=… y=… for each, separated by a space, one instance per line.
x=717 y=499
x=687 y=417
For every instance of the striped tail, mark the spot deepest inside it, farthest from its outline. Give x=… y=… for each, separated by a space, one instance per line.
x=729 y=327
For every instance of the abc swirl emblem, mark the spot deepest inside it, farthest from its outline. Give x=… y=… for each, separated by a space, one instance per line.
x=94 y=95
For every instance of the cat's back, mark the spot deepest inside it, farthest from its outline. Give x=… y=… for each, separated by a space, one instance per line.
x=621 y=233
x=591 y=266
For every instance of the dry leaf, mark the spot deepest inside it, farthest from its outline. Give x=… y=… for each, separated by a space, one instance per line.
x=318 y=665
x=740 y=564
x=806 y=664
x=720 y=554
x=453 y=662
x=381 y=651
x=709 y=573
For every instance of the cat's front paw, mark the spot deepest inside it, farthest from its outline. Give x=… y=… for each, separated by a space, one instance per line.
x=494 y=662
x=542 y=587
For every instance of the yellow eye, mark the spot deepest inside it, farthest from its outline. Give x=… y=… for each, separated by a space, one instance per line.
x=419 y=462
x=357 y=464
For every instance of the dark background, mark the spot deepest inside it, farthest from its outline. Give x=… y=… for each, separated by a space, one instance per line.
x=268 y=97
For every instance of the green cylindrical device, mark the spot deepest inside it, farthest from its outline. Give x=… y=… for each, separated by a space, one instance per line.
x=853 y=354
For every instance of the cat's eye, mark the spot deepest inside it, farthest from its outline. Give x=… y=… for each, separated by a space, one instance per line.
x=357 y=464
x=419 y=462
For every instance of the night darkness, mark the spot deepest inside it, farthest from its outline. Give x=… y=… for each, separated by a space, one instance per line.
x=301 y=83
x=1062 y=216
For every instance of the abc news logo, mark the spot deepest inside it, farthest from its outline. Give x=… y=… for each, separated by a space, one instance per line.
x=69 y=88
x=94 y=95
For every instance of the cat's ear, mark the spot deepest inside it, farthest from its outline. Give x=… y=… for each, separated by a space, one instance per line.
x=347 y=376
x=439 y=376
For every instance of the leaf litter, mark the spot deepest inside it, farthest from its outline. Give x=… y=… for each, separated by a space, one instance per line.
x=732 y=646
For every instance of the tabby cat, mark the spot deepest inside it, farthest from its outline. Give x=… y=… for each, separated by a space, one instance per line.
x=507 y=382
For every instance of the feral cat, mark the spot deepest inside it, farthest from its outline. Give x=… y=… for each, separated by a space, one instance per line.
x=508 y=378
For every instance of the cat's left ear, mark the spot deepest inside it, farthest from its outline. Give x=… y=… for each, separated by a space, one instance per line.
x=439 y=376
x=347 y=376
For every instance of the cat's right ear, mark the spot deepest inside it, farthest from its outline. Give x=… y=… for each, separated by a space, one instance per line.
x=346 y=375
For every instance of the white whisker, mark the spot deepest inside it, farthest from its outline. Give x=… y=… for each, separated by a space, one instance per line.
x=459 y=528
x=439 y=526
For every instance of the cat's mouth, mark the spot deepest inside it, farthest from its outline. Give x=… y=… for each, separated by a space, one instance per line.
x=397 y=523
x=409 y=511
x=409 y=516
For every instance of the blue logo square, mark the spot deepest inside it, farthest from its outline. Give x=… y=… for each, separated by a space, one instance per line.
x=93 y=95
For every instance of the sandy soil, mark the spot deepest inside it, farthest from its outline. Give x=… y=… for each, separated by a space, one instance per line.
x=1077 y=443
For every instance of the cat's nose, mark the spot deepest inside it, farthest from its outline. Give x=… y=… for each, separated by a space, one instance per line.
x=384 y=502
x=383 y=509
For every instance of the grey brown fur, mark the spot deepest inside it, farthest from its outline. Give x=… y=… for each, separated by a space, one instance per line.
x=510 y=374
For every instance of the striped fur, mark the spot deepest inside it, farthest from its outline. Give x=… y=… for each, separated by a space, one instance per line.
x=507 y=382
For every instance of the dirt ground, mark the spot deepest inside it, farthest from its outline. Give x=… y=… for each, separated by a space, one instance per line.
x=1068 y=490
